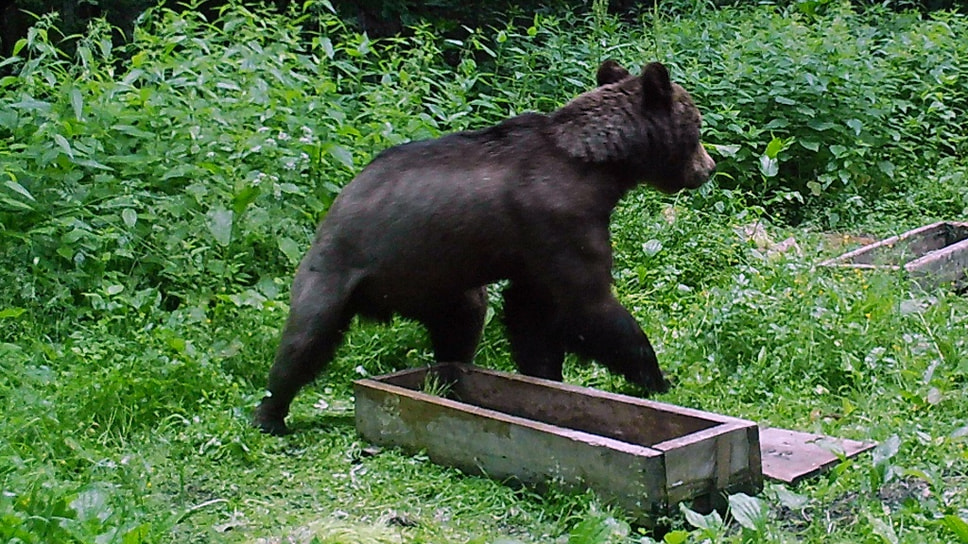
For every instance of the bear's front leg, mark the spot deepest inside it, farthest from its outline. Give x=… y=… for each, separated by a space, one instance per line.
x=602 y=329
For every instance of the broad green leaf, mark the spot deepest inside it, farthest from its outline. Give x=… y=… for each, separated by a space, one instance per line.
x=290 y=188
x=593 y=530
x=21 y=43
x=133 y=131
x=774 y=147
x=31 y=104
x=856 y=125
x=364 y=47
x=64 y=145
x=91 y=163
x=769 y=167
x=838 y=150
x=776 y=123
x=114 y=289
x=652 y=247
x=724 y=150
x=181 y=170
x=886 y=450
x=77 y=102
x=957 y=526
x=243 y=198
x=327 y=46
x=137 y=535
x=341 y=154
x=8 y=313
x=16 y=204
x=887 y=167
x=748 y=511
x=74 y=235
x=138 y=59
x=809 y=144
x=18 y=188
x=711 y=522
x=820 y=125
x=92 y=504
x=130 y=217
x=290 y=249
x=676 y=537
x=790 y=499
x=220 y=225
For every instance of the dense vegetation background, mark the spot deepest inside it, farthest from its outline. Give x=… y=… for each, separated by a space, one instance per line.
x=157 y=191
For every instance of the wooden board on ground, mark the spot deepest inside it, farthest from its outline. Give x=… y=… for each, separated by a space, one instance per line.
x=641 y=455
x=933 y=255
x=790 y=456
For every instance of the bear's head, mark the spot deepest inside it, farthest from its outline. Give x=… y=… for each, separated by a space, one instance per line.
x=644 y=127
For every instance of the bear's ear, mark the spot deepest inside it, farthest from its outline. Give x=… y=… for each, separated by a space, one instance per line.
x=656 y=86
x=611 y=72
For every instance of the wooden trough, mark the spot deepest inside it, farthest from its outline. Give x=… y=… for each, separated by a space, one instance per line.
x=641 y=455
x=933 y=255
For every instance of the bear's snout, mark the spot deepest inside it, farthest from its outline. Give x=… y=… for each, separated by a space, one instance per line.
x=703 y=168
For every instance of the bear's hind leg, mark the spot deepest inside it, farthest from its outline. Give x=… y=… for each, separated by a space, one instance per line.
x=455 y=327
x=529 y=316
x=318 y=317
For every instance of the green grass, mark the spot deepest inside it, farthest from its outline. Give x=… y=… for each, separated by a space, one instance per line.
x=155 y=198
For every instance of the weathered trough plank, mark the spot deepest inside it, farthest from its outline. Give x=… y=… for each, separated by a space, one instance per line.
x=933 y=255
x=791 y=456
x=642 y=455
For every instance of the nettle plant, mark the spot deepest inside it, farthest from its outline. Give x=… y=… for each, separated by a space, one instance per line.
x=165 y=166
x=198 y=155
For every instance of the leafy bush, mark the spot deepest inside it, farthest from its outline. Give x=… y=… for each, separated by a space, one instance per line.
x=811 y=106
x=201 y=163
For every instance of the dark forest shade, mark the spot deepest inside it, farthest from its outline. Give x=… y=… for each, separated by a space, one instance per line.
x=375 y=17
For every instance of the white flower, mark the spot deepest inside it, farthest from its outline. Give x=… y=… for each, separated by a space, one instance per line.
x=307 y=135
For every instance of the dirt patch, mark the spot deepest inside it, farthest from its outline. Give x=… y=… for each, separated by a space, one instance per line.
x=896 y=493
x=843 y=510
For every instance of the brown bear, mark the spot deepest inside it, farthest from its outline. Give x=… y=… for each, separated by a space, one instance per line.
x=427 y=225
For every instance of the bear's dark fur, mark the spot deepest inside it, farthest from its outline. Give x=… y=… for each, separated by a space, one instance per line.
x=428 y=224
